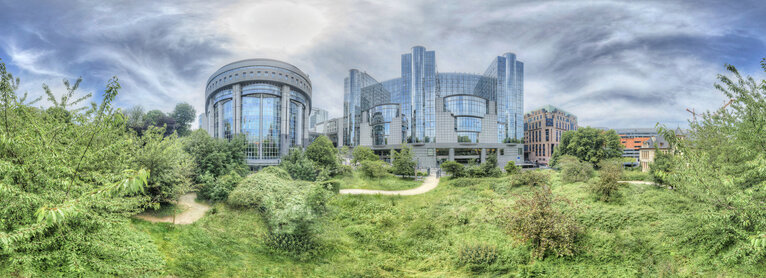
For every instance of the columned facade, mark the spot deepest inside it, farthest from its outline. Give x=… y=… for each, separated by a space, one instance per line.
x=266 y=101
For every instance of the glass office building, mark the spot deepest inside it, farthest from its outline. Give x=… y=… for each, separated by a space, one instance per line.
x=267 y=101
x=438 y=113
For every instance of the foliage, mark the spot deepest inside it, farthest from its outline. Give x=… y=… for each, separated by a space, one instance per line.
x=607 y=187
x=573 y=170
x=531 y=178
x=661 y=167
x=67 y=189
x=535 y=220
x=323 y=153
x=720 y=165
x=290 y=208
x=463 y=182
x=216 y=157
x=588 y=144
x=477 y=254
x=362 y=153
x=403 y=163
x=299 y=166
x=218 y=189
x=65 y=103
x=183 y=114
x=511 y=168
x=488 y=168
x=171 y=168
x=358 y=180
x=453 y=168
x=374 y=169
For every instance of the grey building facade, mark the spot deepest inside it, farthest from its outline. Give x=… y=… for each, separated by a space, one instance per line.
x=268 y=101
x=443 y=116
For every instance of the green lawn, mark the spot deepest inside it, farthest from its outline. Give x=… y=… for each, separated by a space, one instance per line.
x=357 y=180
x=421 y=236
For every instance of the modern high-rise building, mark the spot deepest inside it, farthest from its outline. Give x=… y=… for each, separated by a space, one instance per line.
x=266 y=100
x=633 y=138
x=444 y=116
x=317 y=117
x=543 y=128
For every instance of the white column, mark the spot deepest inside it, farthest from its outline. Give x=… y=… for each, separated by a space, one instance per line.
x=237 y=106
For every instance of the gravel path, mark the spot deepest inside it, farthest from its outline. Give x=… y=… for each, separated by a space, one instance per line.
x=430 y=183
x=193 y=211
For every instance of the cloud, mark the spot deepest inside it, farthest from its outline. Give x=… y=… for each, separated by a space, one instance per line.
x=612 y=63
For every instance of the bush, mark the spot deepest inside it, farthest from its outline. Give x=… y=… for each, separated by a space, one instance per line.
x=218 y=189
x=535 y=220
x=290 y=208
x=463 y=182
x=511 y=168
x=477 y=254
x=574 y=170
x=362 y=153
x=636 y=176
x=374 y=169
x=344 y=170
x=170 y=167
x=422 y=174
x=607 y=186
x=298 y=165
x=453 y=168
x=531 y=178
x=216 y=156
x=661 y=167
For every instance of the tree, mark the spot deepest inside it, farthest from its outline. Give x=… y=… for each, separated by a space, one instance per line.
x=456 y=170
x=661 y=167
x=135 y=119
x=67 y=191
x=66 y=102
x=403 y=163
x=160 y=119
x=298 y=165
x=511 y=168
x=216 y=157
x=362 y=153
x=589 y=144
x=322 y=152
x=574 y=170
x=489 y=167
x=183 y=115
x=170 y=166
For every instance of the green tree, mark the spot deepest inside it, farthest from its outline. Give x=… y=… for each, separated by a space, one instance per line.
x=574 y=170
x=66 y=102
x=607 y=187
x=323 y=153
x=489 y=167
x=661 y=167
x=511 y=168
x=216 y=157
x=403 y=163
x=362 y=153
x=456 y=170
x=67 y=191
x=170 y=166
x=183 y=115
x=298 y=165
x=589 y=144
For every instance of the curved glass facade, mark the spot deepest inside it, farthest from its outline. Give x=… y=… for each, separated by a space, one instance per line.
x=263 y=99
x=380 y=119
x=466 y=106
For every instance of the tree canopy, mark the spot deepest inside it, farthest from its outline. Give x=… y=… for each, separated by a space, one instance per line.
x=589 y=144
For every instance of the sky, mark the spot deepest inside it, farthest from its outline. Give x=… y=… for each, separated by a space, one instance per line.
x=616 y=64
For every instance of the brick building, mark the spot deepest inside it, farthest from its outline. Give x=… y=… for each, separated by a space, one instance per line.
x=543 y=128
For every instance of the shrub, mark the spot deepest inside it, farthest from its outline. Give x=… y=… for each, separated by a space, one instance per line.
x=574 y=170
x=511 y=168
x=453 y=168
x=422 y=174
x=344 y=170
x=531 y=178
x=216 y=156
x=218 y=189
x=463 y=182
x=477 y=254
x=403 y=163
x=535 y=220
x=374 y=169
x=290 y=208
x=298 y=165
x=170 y=167
x=607 y=186
x=489 y=167
x=661 y=167
x=362 y=153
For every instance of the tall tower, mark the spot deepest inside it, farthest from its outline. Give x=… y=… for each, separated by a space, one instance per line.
x=419 y=81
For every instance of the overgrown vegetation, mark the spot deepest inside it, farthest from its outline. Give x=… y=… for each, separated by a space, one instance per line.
x=588 y=144
x=607 y=188
x=574 y=170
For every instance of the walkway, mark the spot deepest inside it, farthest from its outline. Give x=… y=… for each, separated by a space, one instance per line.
x=429 y=184
x=193 y=211
x=637 y=182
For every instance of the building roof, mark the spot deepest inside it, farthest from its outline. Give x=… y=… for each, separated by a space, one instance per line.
x=551 y=108
x=656 y=141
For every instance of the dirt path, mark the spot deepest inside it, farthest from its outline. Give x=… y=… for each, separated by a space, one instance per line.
x=637 y=182
x=193 y=211
x=430 y=183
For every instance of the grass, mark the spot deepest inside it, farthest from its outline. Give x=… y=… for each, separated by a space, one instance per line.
x=165 y=210
x=391 y=182
x=425 y=235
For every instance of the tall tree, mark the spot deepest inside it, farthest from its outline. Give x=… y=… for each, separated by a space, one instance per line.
x=322 y=152
x=183 y=115
x=403 y=162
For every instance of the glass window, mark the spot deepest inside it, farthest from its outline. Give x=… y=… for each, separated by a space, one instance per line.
x=228 y=120
x=261 y=125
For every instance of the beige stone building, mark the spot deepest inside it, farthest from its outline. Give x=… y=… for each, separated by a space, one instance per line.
x=649 y=150
x=543 y=128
